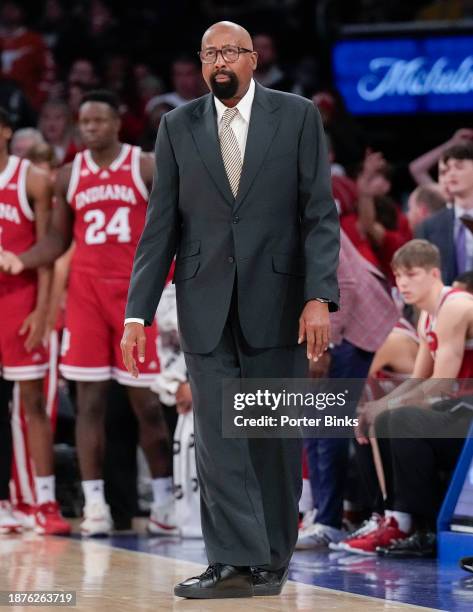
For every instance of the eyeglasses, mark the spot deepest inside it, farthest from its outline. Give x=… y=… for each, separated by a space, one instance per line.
x=229 y=53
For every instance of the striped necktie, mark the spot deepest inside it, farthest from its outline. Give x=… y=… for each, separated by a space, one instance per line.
x=230 y=150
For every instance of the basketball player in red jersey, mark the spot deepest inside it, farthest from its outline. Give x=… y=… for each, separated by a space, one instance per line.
x=25 y=201
x=418 y=436
x=101 y=204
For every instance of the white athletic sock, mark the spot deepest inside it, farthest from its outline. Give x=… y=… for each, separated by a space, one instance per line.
x=404 y=519
x=93 y=492
x=162 y=490
x=45 y=491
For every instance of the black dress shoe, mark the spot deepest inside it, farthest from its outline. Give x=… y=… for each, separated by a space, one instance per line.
x=421 y=545
x=467 y=564
x=219 y=581
x=266 y=582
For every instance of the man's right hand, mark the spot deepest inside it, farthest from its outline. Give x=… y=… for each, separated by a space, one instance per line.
x=133 y=335
x=10 y=263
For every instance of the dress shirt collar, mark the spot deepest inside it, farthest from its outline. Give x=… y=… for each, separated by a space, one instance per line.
x=462 y=212
x=243 y=106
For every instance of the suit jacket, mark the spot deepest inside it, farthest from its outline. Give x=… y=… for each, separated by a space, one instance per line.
x=278 y=239
x=439 y=229
x=367 y=313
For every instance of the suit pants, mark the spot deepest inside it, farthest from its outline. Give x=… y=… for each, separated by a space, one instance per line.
x=250 y=488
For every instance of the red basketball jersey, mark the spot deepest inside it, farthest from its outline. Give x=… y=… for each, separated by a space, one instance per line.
x=427 y=323
x=17 y=224
x=110 y=208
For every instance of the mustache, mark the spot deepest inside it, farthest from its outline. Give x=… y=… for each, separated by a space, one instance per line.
x=228 y=73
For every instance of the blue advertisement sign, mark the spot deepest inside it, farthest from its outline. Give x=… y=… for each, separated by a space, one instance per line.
x=405 y=75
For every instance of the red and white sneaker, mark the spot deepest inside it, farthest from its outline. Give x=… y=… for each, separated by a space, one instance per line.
x=161 y=520
x=25 y=514
x=8 y=522
x=367 y=527
x=386 y=533
x=49 y=520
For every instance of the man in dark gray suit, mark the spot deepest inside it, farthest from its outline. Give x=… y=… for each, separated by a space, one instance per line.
x=243 y=195
x=447 y=228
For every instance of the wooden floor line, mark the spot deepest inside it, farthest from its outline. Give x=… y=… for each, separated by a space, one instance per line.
x=199 y=566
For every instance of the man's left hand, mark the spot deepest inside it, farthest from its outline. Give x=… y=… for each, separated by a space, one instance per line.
x=314 y=327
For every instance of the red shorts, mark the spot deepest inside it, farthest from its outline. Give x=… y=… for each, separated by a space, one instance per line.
x=16 y=362
x=90 y=350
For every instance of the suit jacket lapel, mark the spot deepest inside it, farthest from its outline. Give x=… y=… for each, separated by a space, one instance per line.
x=264 y=122
x=204 y=131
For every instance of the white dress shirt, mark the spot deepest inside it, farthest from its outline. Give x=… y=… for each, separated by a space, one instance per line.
x=240 y=128
x=242 y=121
x=464 y=212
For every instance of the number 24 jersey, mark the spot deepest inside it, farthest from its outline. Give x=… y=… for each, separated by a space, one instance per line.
x=109 y=213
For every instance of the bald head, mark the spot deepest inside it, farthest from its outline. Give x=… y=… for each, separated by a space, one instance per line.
x=228 y=77
x=241 y=36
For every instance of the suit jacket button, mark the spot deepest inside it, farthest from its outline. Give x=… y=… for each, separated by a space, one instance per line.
x=231 y=259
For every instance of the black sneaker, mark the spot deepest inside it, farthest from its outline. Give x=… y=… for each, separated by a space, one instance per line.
x=267 y=582
x=421 y=545
x=217 y=582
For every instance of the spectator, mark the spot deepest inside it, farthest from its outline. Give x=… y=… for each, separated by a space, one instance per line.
x=53 y=25
x=347 y=138
x=378 y=227
x=186 y=80
x=268 y=73
x=14 y=101
x=75 y=93
x=101 y=30
x=445 y=228
x=23 y=140
x=423 y=203
x=25 y=57
x=118 y=77
x=155 y=110
x=148 y=85
x=83 y=71
x=420 y=168
x=55 y=125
